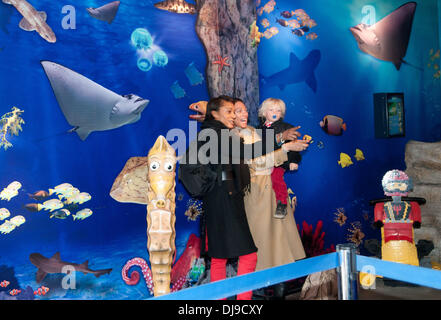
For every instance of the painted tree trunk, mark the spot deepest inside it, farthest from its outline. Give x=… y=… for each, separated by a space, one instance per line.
x=223 y=27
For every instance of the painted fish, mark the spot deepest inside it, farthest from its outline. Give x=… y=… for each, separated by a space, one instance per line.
x=298 y=32
x=333 y=125
x=176 y=6
x=359 y=155
x=39 y=195
x=51 y=205
x=8 y=194
x=4 y=283
x=14 y=292
x=4 y=213
x=60 y=214
x=7 y=227
x=69 y=193
x=265 y=23
x=41 y=291
x=32 y=207
x=82 y=214
x=282 y=22
x=293 y=23
x=311 y=36
x=18 y=220
x=345 y=160
x=33 y=19
x=287 y=14
x=79 y=198
x=61 y=188
x=15 y=185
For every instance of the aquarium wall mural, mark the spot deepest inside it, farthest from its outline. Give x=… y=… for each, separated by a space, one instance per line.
x=89 y=87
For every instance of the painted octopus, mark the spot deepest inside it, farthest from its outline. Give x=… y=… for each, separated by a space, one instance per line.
x=151 y=180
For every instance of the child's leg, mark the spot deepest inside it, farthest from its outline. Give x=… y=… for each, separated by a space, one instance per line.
x=279 y=185
x=247 y=264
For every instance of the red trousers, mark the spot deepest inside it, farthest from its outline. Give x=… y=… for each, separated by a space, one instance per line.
x=247 y=264
x=279 y=185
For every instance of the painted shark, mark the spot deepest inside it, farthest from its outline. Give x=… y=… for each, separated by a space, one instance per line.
x=176 y=6
x=298 y=71
x=55 y=265
x=33 y=19
x=387 y=39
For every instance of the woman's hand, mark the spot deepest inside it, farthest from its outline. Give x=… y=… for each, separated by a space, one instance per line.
x=291 y=134
x=298 y=145
x=201 y=108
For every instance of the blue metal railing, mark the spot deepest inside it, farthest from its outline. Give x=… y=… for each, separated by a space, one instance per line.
x=256 y=280
x=260 y=279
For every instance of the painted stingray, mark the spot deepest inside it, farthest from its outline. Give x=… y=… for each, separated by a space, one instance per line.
x=106 y=12
x=388 y=39
x=87 y=105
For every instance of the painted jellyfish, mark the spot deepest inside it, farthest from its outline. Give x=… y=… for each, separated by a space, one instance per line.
x=141 y=38
x=160 y=58
x=177 y=90
x=144 y=64
x=193 y=75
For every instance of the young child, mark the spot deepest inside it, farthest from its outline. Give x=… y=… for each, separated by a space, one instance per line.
x=271 y=112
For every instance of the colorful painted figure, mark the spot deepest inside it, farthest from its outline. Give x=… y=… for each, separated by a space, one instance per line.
x=397 y=219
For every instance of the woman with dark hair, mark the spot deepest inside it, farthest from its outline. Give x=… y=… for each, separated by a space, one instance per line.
x=227 y=232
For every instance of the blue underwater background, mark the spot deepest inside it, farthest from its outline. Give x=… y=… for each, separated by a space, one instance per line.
x=44 y=155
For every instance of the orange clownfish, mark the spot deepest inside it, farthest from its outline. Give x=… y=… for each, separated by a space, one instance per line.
x=41 y=291
x=14 y=292
x=4 y=284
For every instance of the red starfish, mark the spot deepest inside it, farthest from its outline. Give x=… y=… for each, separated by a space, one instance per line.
x=221 y=62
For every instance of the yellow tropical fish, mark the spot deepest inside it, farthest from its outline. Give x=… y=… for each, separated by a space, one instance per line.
x=68 y=193
x=60 y=188
x=311 y=36
x=293 y=23
x=4 y=213
x=51 y=205
x=359 y=155
x=82 y=214
x=79 y=198
x=7 y=227
x=8 y=194
x=265 y=23
x=15 y=185
x=345 y=160
x=18 y=220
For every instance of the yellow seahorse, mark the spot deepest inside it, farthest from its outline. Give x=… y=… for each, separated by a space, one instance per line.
x=10 y=122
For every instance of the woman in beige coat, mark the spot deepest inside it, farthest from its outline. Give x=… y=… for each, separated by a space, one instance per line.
x=277 y=240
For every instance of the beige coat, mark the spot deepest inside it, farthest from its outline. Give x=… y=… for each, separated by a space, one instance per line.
x=277 y=240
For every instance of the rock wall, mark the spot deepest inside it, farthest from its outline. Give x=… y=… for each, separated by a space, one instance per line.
x=223 y=27
x=423 y=162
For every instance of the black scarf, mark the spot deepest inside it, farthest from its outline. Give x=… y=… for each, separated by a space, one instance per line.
x=241 y=171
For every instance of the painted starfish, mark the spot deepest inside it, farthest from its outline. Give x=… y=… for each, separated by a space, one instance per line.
x=222 y=62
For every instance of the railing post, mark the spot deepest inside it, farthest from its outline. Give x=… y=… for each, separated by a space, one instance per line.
x=347 y=272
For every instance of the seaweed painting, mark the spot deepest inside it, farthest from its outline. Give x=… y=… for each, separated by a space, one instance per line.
x=10 y=123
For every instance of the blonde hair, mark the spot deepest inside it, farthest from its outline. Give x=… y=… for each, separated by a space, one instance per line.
x=272 y=102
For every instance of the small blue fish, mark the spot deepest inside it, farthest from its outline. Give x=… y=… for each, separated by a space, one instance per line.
x=193 y=75
x=177 y=90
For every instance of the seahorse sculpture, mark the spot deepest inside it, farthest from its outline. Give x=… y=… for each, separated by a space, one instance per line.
x=151 y=180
